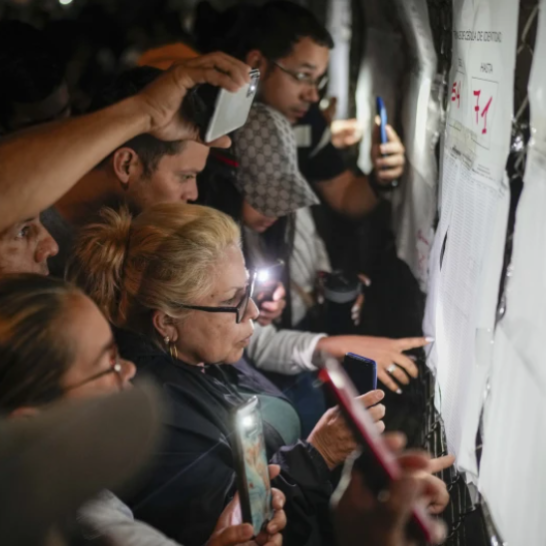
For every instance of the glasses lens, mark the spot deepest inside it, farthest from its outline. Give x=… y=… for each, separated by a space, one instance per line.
x=243 y=306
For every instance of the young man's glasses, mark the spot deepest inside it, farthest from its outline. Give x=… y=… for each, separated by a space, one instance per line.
x=239 y=309
x=302 y=77
x=115 y=367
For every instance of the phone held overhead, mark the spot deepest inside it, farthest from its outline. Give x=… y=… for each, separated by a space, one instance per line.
x=217 y=112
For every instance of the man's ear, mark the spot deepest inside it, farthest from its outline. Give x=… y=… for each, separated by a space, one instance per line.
x=164 y=325
x=255 y=59
x=25 y=411
x=126 y=165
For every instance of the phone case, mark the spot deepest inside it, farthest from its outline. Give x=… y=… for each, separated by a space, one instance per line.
x=385 y=465
x=231 y=109
x=252 y=479
x=362 y=370
x=382 y=113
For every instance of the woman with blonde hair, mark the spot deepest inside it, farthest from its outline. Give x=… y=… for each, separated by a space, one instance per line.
x=55 y=345
x=173 y=280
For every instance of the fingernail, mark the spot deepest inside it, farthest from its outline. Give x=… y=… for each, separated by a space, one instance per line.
x=429 y=339
x=399 y=391
x=272 y=528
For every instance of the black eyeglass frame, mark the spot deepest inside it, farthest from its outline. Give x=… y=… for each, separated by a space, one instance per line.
x=300 y=77
x=239 y=309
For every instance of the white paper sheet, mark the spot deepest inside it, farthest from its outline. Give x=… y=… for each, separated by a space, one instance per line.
x=513 y=469
x=460 y=310
x=414 y=204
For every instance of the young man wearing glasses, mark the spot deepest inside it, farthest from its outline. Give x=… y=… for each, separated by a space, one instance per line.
x=292 y=50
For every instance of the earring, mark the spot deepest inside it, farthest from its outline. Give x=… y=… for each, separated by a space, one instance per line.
x=172 y=347
x=174 y=351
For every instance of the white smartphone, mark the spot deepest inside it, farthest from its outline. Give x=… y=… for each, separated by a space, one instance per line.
x=231 y=109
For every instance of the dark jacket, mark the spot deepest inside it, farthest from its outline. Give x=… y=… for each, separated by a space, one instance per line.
x=193 y=477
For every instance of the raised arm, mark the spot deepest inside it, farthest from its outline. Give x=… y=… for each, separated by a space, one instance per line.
x=39 y=165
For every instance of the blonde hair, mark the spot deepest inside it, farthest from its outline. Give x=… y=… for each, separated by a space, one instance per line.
x=162 y=259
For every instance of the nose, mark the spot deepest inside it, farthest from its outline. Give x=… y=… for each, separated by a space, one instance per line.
x=252 y=311
x=191 y=193
x=128 y=371
x=311 y=94
x=47 y=247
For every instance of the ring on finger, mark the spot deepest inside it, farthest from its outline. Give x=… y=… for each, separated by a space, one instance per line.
x=391 y=368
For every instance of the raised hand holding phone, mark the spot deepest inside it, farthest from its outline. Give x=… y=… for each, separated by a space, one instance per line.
x=388 y=152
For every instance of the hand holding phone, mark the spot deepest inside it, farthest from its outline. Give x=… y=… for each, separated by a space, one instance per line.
x=253 y=481
x=382 y=464
x=383 y=136
x=217 y=112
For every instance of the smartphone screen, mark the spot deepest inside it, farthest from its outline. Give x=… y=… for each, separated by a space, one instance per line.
x=253 y=471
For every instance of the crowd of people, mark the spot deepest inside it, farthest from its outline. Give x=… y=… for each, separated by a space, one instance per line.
x=128 y=252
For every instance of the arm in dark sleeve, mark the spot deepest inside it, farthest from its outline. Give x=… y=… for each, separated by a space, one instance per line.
x=186 y=493
x=305 y=480
x=319 y=159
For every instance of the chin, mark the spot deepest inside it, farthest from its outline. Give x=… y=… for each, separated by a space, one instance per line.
x=234 y=357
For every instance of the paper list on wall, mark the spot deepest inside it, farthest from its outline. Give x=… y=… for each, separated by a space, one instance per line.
x=513 y=473
x=476 y=143
x=414 y=203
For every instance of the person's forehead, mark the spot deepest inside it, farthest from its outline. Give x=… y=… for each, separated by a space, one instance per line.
x=307 y=52
x=191 y=157
x=231 y=271
x=87 y=327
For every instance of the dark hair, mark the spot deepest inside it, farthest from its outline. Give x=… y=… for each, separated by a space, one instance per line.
x=273 y=29
x=150 y=150
x=29 y=71
x=34 y=350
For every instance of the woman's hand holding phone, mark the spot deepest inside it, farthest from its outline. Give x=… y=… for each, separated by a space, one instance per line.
x=333 y=439
x=230 y=531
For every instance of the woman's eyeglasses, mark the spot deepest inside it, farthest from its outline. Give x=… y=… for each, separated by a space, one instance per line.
x=239 y=309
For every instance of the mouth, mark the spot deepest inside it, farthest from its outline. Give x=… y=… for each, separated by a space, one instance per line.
x=300 y=112
x=245 y=342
